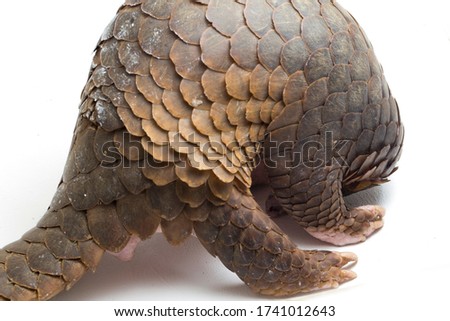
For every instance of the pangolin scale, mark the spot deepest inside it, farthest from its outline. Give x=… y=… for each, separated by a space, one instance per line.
x=190 y=103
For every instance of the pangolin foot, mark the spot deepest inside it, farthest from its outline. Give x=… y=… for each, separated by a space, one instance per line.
x=355 y=227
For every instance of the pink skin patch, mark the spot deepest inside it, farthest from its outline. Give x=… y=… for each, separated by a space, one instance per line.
x=128 y=251
x=374 y=215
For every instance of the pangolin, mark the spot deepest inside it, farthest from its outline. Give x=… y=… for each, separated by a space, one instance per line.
x=190 y=103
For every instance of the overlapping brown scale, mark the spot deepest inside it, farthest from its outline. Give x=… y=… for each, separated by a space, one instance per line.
x=318 y=65
x=242 y=135
x=105 y=150
x=105 y=115
x=179 y=144
x=164 y=119
x=378 y=138
x=116 y=96
x=375 y=90
x=148 y=87
x=224 y=174
x=72 y=271
x=191 y=176
x=295 y=89
x=187 y=60
x=252 y=111
x=290 y=115
x=156 y=38
x=277 y=83
x=341 y=48
x=134 y=59
x=238 y=82
x=188 y=131
x=83 y=150
x=123 y=80
x=199 y=214
x=214 y=45
x=91 y=254
x=258 y=16
x=81 y=193
x=333 y=17
x=364 y=141
x=100 y=77
x=189 y=195
x=217 y=144
x=161 y=153
x=127 y=24
x=371 y=117
x=235 y=112
x=244 y=48
x=360 y=67
x=357 y=96
x=226 y=16
x=131 y=122
x=132 y=177
x=287 y=21
x=156 y=134
x=159 y=9
x=19 y=272
x=108 y=187
x=188 y=21
x=339 y=79
x=37 y=234
x=41 y=260
x=177 y=230
x=193 y=94
x=259 y=82
x=269 y=50
x=109 y=54
x=254 y=132
x=276 y=110
x=137 y=216
x=159 y=173
x=375 y=66
x=18 y=247
x=385 y=112
x=164 y=202
x=164 y=74
x=266 y=110
x=175 y=104
x=315 y=32
x=61 y=247
x=358 y=38
x=106 y=228
x=200 y=161
x=307 y=7
x=74 y=224
x=310 y=124
x=203 y=122
x=48 y=286
x=215 y=86
x=140 y=106
x=351 y=126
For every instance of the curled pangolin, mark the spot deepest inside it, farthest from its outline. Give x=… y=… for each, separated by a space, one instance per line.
x=187 y=103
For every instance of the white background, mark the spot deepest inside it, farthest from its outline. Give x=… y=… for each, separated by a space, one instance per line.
x=45 y=53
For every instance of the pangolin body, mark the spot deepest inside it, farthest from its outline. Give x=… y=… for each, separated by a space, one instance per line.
x=185 y=99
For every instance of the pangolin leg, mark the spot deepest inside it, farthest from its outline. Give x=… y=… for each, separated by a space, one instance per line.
x=101 y=205
x=248 y=243
x=48 y=258
x=323 y=212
